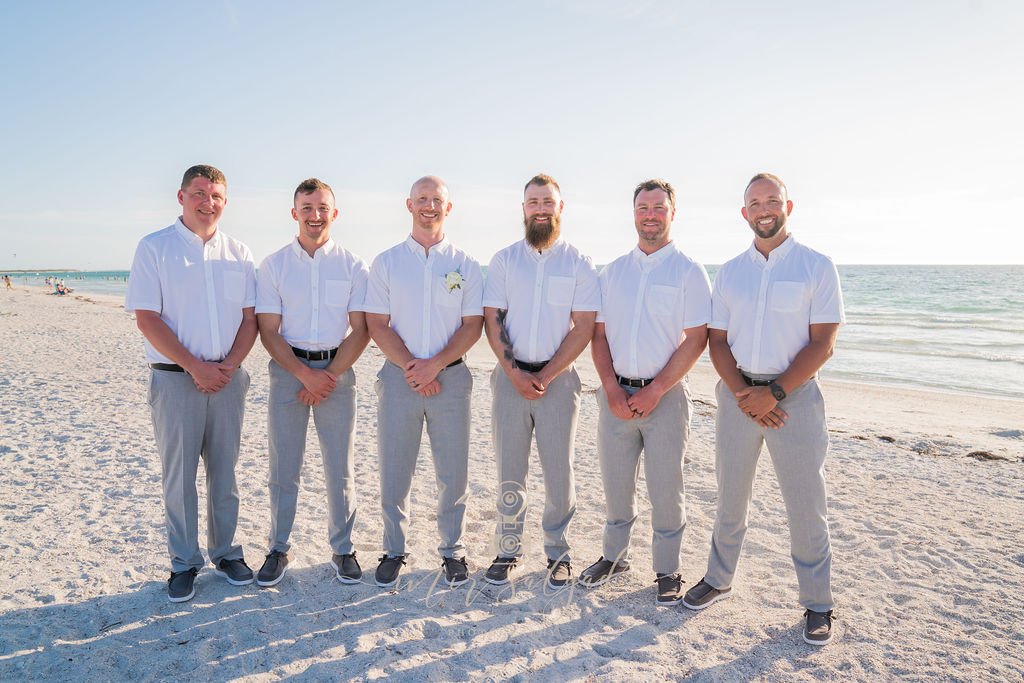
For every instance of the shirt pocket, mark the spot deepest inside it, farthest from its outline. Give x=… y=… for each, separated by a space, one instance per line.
x=787 y=297
x=234 y=286
x=663 y=299
x=448 y=296
x=560 y=290
x=336 y=293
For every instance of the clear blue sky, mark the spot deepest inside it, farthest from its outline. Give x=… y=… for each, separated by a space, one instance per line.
x=897 y=125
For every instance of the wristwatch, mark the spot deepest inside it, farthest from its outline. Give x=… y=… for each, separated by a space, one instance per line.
x=778 y=392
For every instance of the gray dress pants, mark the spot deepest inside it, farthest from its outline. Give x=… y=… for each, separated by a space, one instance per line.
x=288 y=420
x=662 y=437
x=798 y=453
x=400 y=416
x=514 y=421
x=189 y=425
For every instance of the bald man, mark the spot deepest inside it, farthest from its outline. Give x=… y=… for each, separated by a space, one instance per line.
x=424 y=311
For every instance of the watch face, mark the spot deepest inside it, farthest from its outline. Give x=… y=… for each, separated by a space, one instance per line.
x=777 y=391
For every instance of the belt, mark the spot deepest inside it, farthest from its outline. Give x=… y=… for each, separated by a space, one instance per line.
x=454 y=363
x=636 y=383
x=170 y=367
x=315 y=355
x=530 y=367
x=751 y=382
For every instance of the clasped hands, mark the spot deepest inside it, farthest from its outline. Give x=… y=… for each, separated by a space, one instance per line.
x=759 y=405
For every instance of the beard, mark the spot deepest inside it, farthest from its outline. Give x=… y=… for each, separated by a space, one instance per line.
x=541 y=235
x=772 y=230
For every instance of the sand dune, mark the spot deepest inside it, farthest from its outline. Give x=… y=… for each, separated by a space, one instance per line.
x=926 y=500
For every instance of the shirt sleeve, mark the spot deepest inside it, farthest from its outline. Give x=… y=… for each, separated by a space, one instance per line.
x=587 y=296
x=472 y=298
x=144 y=293
x=495 y=293
x=268 y=297
x=827 y=298
x=378 y=289
x=696 y=297
x=250 y=280
x=719 y=305
x=360 y=278
x=602 y=280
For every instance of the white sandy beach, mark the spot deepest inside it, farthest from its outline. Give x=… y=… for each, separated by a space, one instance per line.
x=926 y=512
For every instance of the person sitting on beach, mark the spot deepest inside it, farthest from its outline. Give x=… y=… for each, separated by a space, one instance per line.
x=776 y=311
x=193 y=291
x=540 y=302
x=306 y=298
x=423 y=309
x=656 y=303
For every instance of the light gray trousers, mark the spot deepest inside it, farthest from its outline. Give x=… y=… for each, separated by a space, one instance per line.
x=662 y=436
x=288 y=420
x=798 y=453
x=189 y=425
x=400 y=416
x=514 y=421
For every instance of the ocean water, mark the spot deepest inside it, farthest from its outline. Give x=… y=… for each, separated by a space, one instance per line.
x=952 y=328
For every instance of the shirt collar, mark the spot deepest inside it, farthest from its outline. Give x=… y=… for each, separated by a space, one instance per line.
x=322 y=249
x=417 y=248
x=776 y=254
x=651 y=260
x=558 y=245
x=192 y=238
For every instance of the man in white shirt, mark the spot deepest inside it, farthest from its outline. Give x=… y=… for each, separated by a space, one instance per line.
x=423 y=309
x=307 y=297
x=193 y=291
x=540 y=302
x=776 y=311
x=656 y=303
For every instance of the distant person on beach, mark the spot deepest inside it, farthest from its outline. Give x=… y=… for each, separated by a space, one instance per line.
x=423 y=309
x=776 y=311
x=193 y=291
x=7 y=281
x=306 y=298
x=540 y=302
x=656 y=303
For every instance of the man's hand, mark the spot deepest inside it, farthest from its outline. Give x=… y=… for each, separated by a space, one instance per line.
x=431 y=388
x=643 y=402
x=318 y=382
x=618 y=401
x=420 y=372
x=210 y=378
x=527 y=384
x=308 y=399
x=759 y=405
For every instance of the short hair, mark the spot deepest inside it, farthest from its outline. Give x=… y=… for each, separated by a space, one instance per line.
x=541 y=179
x=656 y=184
x=768 y=176
x=211 y=173
x=311 y=185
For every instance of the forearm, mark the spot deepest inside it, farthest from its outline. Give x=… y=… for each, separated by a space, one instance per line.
x=460 y=342
x=278 y=348
x=244 y=340
x=724 y=361
x=682 y=359
x=602 y=355
x=498 y=339
x=387 y=340
x=571 y=347
x=806 y=364
x=349 y=351
x=163 y=339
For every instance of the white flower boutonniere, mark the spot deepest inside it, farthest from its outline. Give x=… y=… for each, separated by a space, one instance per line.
x=453 y=281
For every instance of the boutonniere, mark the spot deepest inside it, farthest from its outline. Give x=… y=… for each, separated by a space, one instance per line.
x=453 y=281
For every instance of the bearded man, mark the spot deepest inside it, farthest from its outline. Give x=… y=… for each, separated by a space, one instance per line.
x=540 y=302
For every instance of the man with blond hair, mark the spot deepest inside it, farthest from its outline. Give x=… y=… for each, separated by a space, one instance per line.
x=308 y=293
x=193 y=291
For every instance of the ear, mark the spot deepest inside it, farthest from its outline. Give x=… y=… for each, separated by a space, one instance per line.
x=448 y=209
x=334 y=214
x=295 y=214
x=789 y=206
x=561 y=205
x=408 y=204
x=181 y=197
x=743 y=210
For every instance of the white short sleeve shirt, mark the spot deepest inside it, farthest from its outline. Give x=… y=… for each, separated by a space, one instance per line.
x=647 y=302
x=768 y=305
x=540 y=290
x=198 y=289
x=314 y=295
x=426 y=295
